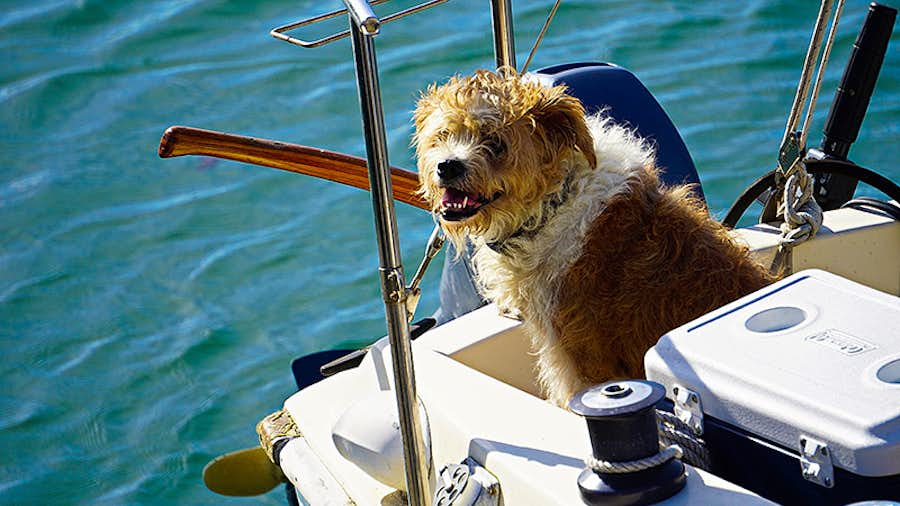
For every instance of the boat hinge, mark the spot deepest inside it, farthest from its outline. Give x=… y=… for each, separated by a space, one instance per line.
x=466 y=484
x=815 y=462
x=688 y=408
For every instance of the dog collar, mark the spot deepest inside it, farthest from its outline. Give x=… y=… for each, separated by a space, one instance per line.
x=550 y=204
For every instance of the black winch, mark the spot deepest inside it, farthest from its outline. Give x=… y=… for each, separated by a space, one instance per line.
x=627 y=467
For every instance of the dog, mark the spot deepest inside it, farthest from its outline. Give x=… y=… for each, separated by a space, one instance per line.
x=571 y=227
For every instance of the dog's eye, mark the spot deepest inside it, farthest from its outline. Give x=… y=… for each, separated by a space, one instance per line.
x=495 y=145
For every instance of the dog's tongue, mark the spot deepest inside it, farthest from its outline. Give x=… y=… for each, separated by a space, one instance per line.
x=458 y=199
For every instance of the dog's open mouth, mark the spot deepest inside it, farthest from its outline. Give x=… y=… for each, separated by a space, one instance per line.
x=457 y=205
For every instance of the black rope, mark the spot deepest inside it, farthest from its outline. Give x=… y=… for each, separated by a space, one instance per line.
x=814 y=168
x=867 y=203
x=747 y=197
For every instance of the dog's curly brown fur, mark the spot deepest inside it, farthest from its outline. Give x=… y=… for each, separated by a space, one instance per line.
x=571 y=226
x=669 y=263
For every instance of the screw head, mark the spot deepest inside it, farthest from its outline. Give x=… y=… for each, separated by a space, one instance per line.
x=616 y=390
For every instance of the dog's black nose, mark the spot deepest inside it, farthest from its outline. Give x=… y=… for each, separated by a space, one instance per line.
x=450 y=169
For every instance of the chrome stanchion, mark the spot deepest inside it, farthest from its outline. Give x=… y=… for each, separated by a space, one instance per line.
x=504 y=39
x=363 y=26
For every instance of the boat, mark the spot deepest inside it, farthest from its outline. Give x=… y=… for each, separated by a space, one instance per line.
x=798 y=401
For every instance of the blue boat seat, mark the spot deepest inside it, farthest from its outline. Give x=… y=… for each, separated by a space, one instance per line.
x=627 y=100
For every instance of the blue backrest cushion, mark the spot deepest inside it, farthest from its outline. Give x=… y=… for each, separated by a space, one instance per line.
x=627 y=100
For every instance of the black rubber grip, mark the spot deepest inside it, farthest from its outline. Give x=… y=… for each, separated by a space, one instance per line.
x=852 y=96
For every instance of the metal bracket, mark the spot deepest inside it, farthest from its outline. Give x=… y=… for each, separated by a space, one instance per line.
x=413 y=292
x=392 y=281
x=815 y=462
x=466 y=484
x=688 y=408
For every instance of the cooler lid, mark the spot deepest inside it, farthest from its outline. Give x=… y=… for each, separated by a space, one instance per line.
x=813 y=355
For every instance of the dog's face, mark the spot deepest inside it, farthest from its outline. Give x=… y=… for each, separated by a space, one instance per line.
x=490 y=146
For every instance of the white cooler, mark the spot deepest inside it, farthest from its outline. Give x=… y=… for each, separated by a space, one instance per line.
x=796 y=389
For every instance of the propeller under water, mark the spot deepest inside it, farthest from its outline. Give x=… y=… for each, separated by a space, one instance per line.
x=246 y=472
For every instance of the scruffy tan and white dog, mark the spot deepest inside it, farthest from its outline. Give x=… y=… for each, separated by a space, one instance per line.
x=571 y=226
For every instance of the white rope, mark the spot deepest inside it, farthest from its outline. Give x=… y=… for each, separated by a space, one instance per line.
x=605 y=466
x=802 y=214
x=821 y=72
x=809 y=64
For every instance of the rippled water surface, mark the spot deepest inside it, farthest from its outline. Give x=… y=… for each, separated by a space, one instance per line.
x=149 y=308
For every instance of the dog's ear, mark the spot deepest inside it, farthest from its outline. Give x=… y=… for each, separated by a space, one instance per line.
x=562 y=117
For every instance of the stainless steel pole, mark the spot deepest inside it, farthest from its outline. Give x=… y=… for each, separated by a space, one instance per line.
x=393 y=284
x=362 y=14
x=504 y=39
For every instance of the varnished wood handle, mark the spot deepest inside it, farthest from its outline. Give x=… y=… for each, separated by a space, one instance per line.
x=333 y=166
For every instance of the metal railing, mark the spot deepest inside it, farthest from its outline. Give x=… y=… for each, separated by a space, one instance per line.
x=281 y=31
x=363 y=26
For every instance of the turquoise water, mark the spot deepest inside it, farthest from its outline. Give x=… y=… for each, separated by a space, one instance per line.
x=149 y=308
